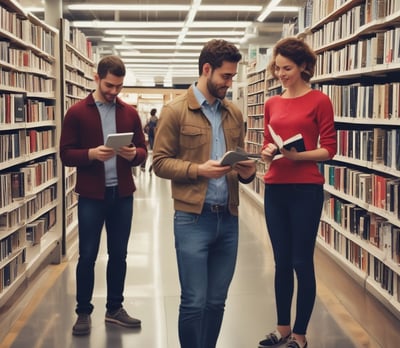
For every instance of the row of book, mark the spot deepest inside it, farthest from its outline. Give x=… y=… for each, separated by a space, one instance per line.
x=78 y=39
x=41 y=202
x=12 y=270
x=255 y=110
x=78 y=78
x=365 y=53
x=257 y=121
x=377 y=146
x=369 y=188
x=27 y=59
x=374 y=268
x=20 y=183
x=35 y=230
x=378 y=101
x=351 y=21
x=12 y=243
x=368 y=226
x=28 y=32
x=79 y=64
x=12 y=218
x=26 y=81
x=16 y=108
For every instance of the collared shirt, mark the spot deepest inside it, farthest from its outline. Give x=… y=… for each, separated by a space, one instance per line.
x=217 y=192
x=107 y=116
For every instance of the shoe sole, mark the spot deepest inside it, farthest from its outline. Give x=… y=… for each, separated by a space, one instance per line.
x=117 y=322
x=80 y=333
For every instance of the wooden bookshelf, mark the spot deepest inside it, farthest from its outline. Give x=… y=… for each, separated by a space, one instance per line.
x=30 y=188
x=359 y=68
x=78 y=81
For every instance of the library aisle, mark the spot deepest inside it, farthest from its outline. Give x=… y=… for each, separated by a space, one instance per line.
x=152 y=291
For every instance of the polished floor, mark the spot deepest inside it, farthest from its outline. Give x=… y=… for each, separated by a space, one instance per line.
x=152 y=291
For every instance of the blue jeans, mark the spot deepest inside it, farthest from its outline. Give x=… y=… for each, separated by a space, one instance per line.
x=292 y=213
x=116 y=214
x=206 y=249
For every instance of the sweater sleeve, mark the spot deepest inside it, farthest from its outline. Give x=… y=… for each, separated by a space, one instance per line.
x=327 y=131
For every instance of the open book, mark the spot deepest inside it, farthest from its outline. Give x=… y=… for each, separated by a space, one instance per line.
x=231 y=157
x=116 y=140
x=295 y=141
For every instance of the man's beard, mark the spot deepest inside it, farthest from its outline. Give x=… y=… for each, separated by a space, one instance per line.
x=215 y=91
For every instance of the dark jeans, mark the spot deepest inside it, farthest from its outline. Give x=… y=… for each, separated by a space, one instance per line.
x=206 y=249
x=116 y=214
x=292 y=213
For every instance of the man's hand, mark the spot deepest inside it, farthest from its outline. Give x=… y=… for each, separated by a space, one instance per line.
x=127 y=152
x=101 y=153
x=245 y=168
x=212 y=169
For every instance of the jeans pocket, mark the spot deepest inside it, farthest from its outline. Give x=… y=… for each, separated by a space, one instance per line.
x=184 y=218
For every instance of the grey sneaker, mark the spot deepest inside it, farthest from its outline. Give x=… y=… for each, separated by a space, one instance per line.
x=82 y=325
x=121 y=317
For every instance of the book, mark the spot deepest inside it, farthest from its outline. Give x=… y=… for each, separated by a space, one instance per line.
x=234 y=156
x=295 y=141
x=116 y=140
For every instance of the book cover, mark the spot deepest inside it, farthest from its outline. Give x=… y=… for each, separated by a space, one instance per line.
x=234 y=156
x=295 y=141
x=116 y=140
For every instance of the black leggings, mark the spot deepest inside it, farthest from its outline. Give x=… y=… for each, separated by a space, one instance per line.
x=292 y=213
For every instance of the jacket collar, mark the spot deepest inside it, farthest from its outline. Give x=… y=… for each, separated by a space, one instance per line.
x=194 y=103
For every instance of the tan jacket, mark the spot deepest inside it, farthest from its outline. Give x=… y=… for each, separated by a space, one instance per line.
x=183 y=141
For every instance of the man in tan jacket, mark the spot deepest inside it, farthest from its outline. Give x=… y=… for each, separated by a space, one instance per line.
x=193 y=133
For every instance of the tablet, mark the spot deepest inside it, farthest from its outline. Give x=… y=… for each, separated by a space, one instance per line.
x=116 y=140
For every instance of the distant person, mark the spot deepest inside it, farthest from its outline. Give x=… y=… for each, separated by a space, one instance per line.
x=193 y=133
x=150 y=130
x=294 y=186
x=151 y=127
x=105 y=186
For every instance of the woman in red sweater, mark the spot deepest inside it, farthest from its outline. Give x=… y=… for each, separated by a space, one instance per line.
x=294 y=186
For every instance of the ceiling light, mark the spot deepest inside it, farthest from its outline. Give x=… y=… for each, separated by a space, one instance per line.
x=159 y=47
x=161 y=54
x=229 y=8
x=142 y=32
x=143 y=24
x=267 y=10
x=126 y=24
x=116 y=7
x=137 y=39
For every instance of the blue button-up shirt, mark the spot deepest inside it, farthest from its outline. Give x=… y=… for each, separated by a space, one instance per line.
x=217 y=192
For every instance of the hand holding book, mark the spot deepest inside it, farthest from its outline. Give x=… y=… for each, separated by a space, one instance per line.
x=295 y=141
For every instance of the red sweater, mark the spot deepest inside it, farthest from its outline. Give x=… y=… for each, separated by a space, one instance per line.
x=312 y=116
x=82 y=130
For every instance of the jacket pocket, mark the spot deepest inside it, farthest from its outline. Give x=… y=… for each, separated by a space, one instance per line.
x=192 y=136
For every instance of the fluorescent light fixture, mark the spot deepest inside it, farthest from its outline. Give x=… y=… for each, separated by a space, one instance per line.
x=142 y=32
x=160 y=54
x=205 y=39
x=159 y=47
x=221 y=24
x=117 y=7
x=144 y=24
x=229 y=8
x=125 y=24
x=137 y=39
x=214 y=33
x=268 y=9
x=160 y=61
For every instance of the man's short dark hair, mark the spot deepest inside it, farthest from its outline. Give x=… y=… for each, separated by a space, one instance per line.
x=216 y=51
x=111 y=64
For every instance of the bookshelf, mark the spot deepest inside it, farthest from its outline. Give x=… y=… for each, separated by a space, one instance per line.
x=78 y=81
x=358 y=67
x=30 y=189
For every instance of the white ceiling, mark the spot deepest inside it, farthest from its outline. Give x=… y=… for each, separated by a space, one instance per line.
x=160 y=40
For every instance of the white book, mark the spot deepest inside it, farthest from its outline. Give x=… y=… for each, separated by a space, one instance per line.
x=116 y=140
